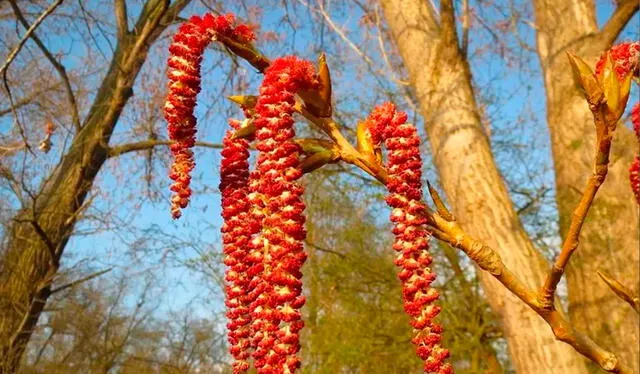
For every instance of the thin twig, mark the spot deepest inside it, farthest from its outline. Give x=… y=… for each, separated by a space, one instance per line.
x=75 y=117
x=151 y=143
x=621 y=290
x=601 y=167
x=81 y=280
x=26 y=36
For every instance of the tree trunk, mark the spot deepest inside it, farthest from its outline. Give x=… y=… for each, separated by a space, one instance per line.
x=441 y=81
x=40 y=233
x=609 y=239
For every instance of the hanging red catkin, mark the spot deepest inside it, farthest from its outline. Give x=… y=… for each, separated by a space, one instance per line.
x=411 y=236
x=237 y=229
x=625 y=58
x=634 y=170
x=277 y=290
x=185 y=57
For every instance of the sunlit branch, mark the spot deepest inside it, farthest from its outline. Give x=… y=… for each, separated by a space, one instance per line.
x=119 y=150
x=618 y=20
x=621 y=291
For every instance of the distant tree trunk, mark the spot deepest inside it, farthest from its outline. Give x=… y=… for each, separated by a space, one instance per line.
x=609 y=239
x=441 y=81
x=40 y=233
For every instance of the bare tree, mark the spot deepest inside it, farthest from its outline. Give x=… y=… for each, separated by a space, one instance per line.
x=40 y=231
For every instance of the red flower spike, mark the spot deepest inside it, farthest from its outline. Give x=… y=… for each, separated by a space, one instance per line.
x=625 y=57
x=238 y=228
x=277 y=198
x=184 y=61
x=405 y=192
x=634 y=170
x=635 y=119
x=634 y=178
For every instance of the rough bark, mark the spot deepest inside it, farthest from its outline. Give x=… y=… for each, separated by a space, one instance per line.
x=461 y=151
x=609 y=239
x=40 y=232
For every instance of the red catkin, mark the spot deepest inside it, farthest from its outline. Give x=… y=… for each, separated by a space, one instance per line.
x=625 y=57
x=635 y=119
x=634 y=170
x=411 y=236
x=277 y=251
x=185 y=57
x=634 y=178
x=237 y=229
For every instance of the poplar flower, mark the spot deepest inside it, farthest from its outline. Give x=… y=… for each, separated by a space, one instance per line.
x=411 y=236
x=237 y=229
x=277 y=292
x=185 y=57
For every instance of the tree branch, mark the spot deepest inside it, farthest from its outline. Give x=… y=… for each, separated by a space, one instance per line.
x=448 y=23
x=148 y=144
x=619 y=19
x=466 y=14
x=121 y=18
x=26 y=100
x=621 y=290
x=75 y=117
x=81 y=280
x=30 y=30
x=605 y=127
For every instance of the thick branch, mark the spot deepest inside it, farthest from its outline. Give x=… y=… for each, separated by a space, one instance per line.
x=448 y=23
x=121 y=18
x=619 y=19
x=148 y=144
x=75 y=117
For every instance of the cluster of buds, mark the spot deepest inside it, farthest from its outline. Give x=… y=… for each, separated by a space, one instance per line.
x=184 y=63
x=404 y=163
x=607 y=90
x=277 y=319
x=624 y=60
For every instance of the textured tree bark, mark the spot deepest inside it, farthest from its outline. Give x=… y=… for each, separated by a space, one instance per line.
x=442 y=84
x=609 y=239
x=40 y=233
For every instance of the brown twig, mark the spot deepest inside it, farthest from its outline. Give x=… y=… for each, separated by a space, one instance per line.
x=26 y=36
x=75 y=116
x=571 y=242
x=81 y=280
x=621 y=290
x=148 y=144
